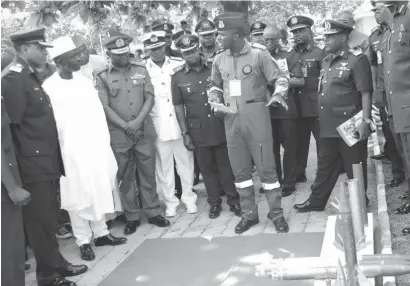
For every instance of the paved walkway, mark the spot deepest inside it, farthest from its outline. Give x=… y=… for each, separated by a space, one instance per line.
x=196 y=225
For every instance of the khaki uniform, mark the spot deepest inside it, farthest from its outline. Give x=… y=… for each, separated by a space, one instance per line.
x=124 y=93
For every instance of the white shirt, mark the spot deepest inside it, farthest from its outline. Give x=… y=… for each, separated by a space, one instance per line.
x=163 y=112
x=89 y=163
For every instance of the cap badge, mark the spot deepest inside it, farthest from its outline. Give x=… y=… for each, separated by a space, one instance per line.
x=165 y=27
x=327 y=26
x=186 y=41
x=294 y=20
x=221 y=24
x=154 y=39
x=119 y=43
x=206 y=25
x=257 y=25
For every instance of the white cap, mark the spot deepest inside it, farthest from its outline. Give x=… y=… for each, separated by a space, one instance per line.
x=61 y=46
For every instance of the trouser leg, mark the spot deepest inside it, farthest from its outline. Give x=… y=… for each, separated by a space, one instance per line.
x=206 y=158
x=276 y=147
x=39 y=216
x=328 y=169
x=241 y=162
x=184 y=160
x=405 y=142
x=225 y=174
x=303 y=145
x=178 y=186
x=197 y=169
x=81 y=229
x=393 y=148
x=315 y=129
x=12 y=245
x=145 y=168
x=99 y=228
x=128 y=189
x=288 y=135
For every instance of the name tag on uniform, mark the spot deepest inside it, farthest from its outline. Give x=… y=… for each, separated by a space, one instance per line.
x=379 y=57
x=304 y=71
x=235 y=88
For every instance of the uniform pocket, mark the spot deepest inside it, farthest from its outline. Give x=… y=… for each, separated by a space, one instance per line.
x=194 y=128
x=149 y=129
x=345 y=111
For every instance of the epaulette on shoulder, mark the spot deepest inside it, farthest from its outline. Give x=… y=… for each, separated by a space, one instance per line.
x=140 y=63
x=178 y=69
x=259 y=46
x=176 y=58
x=100 y=70
x=286 y=49
x=355 y=52
x=375 y=29
x=16 y=67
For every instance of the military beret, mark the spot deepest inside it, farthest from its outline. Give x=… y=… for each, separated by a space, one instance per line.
x=167 y=27
x=298 y=22
x=257 y=28
x=335 y=27
x=117 y=42
x=205 y=27
x=154 y=39
x=30 y=36
x=231 y=20
x=179 y=34
x=187 y=42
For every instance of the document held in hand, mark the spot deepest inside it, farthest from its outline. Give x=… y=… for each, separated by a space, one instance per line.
x=220 y=107
x=347 y=129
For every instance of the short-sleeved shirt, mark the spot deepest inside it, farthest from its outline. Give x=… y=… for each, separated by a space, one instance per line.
x=307 y=97
x=376 y=60
x=294 y=67
x=189 y=88
x=396 y=56
x=123 y=92
x=343 y=78
x=32 y=124
x=8 y=149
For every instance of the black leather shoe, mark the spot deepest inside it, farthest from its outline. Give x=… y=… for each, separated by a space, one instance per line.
x=159 y=221
x=245 y=224
x=236 y=209
x=131 y=227
x=395 y=182
x=381 y=156
x=301 y=178
x=87 y=252
x=281 y=225
x=262 y=190
x=121 y=218
x=287 y=191
x=307 y=207
x=109 y=239
x=215 y=211
x=406 y=231
x=72 y=270
x=60 y=281
x=404 y=209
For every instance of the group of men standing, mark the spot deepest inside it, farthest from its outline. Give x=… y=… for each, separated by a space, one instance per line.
x=231 y=104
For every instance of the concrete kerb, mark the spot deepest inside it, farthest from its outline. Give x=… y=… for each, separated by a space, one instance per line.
x=383 y=216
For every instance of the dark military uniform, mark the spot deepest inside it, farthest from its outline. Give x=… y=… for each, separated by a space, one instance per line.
x=12 y=233
x=38 y=155
x=307 y=97
x=285 y=122
x=343 y=78
x=379 y=97
x=207 y=132
x=203 y=29
x=396 y=57
x=123 y=92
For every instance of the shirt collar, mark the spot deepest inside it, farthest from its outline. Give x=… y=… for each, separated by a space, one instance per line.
x=246 y=47
x=151 y=64
x=301 y=48
x=214 y=50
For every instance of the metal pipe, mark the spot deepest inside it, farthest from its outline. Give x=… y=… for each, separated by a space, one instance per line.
x=358 y=174
x=355 y=208
x=349 y=244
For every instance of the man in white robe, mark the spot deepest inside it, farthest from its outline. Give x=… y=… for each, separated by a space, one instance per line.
x=90 y=165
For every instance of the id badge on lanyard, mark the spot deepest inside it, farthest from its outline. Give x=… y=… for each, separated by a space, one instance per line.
x=235 y=88
x=379 y=57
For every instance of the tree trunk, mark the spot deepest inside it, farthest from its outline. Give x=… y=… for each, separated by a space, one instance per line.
x=238 y=6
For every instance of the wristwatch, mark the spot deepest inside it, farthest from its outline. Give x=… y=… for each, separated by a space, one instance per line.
x=184 y=133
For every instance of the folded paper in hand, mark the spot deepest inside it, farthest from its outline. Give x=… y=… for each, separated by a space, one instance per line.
x=347 y=129
x=220 y=107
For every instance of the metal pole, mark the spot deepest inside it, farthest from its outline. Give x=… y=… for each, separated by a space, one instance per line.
x=358 y=174
x=355 y=207
x=348 y=235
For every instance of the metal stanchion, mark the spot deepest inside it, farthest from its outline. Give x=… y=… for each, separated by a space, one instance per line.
x=349 y=244
x=358 y=174
x=355 y=208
